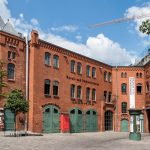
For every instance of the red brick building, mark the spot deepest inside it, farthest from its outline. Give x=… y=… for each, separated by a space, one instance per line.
x=69 y=92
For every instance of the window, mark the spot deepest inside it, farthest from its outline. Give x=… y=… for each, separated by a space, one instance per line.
x=124 y=88
x=105 y=76
x=47 y=58
x=109 y=97
x=109 y=77
x=122 y=75
x=11 y=71
x=94 y=94
x=105 y=96
x=79 y=92
x=88 y=71
x=87 y=94
x=47 y=87
x=125 y=75
x=139 y=88
x=72 y=91
x=124 y=107
x=56 y=61
x=147 y=87
x=93 y=72
x=11 y=55
x=72 y=66
x=137 y=74
x=79 y=68
x=55 y=88
x=140 y=75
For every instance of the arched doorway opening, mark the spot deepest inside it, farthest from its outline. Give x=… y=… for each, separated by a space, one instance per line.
x=108 y=120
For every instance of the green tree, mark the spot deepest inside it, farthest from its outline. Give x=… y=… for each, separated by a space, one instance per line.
x=2 y=76
x=145 y=27
x=17 y=103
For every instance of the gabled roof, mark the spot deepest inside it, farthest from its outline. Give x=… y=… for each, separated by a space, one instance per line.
x=9 y=29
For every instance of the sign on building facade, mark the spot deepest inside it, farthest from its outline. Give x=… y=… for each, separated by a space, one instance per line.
x=132 y=92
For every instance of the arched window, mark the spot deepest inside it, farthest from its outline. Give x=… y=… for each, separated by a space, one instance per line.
x=147 y=87
x=56 y=61
x=55 y=88
x=124 y=107
x=121 y=74
x=124 y=88
x=139 y=88
x=105 y=76
x=125 y=75
x=88 y=70
x=72 y=66
x=47 y=87
x=88 y=94
x=109 y=77
x=93 y=72
x=11 y=71
x=137 y=74
x=72 y=91
x=47 y=58
x=79 y=92
x=93 y=94
x=79 y=68
x=140 y=75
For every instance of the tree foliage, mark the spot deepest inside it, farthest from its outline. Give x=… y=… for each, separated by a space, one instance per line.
x=145 y=27
x=2 y=76
x=16 y=102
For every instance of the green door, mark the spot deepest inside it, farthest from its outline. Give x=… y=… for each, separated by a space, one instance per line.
x=9 y=120
x=51 y=119
x=91 y=121
x=76 y=120
x=124 y=125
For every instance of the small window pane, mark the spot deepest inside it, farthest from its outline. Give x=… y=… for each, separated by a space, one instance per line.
x=11 y=71
x=93 y=72
x=88 y=71
x=72 y=66
x=47 y=58
x=47 y=87
x=56 y=61
x=79 y=68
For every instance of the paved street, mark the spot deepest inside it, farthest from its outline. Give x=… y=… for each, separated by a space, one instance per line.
x=79 y=141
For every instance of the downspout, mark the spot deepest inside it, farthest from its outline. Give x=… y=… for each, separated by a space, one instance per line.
x=116 y=98
x=27 y=78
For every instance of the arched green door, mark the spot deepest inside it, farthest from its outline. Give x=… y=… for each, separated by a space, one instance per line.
x=9 y=120
x=91 y=121
x=51 y=119
x=124 y=125
x=76 y=120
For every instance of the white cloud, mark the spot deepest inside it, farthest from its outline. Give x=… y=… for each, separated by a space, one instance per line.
x=68 y=28
x=4 y=11
x=139 y=11
x=78 y=37
x=34 y=21
x=100 y=47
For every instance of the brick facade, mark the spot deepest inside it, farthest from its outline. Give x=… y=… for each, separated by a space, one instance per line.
x=107 y=82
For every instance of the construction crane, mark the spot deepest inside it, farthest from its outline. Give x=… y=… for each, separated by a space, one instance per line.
x=119 y=20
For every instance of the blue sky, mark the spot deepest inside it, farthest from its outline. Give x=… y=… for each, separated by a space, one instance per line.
x=66 y=23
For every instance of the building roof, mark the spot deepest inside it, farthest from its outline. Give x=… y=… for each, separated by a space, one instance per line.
x=7 y=27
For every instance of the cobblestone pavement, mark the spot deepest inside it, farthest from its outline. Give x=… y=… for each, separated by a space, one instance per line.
x=78 y=141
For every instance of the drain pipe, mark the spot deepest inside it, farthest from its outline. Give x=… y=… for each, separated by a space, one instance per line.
x=27 y=77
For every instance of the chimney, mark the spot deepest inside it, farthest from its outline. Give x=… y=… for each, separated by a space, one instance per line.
x=34 y=37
